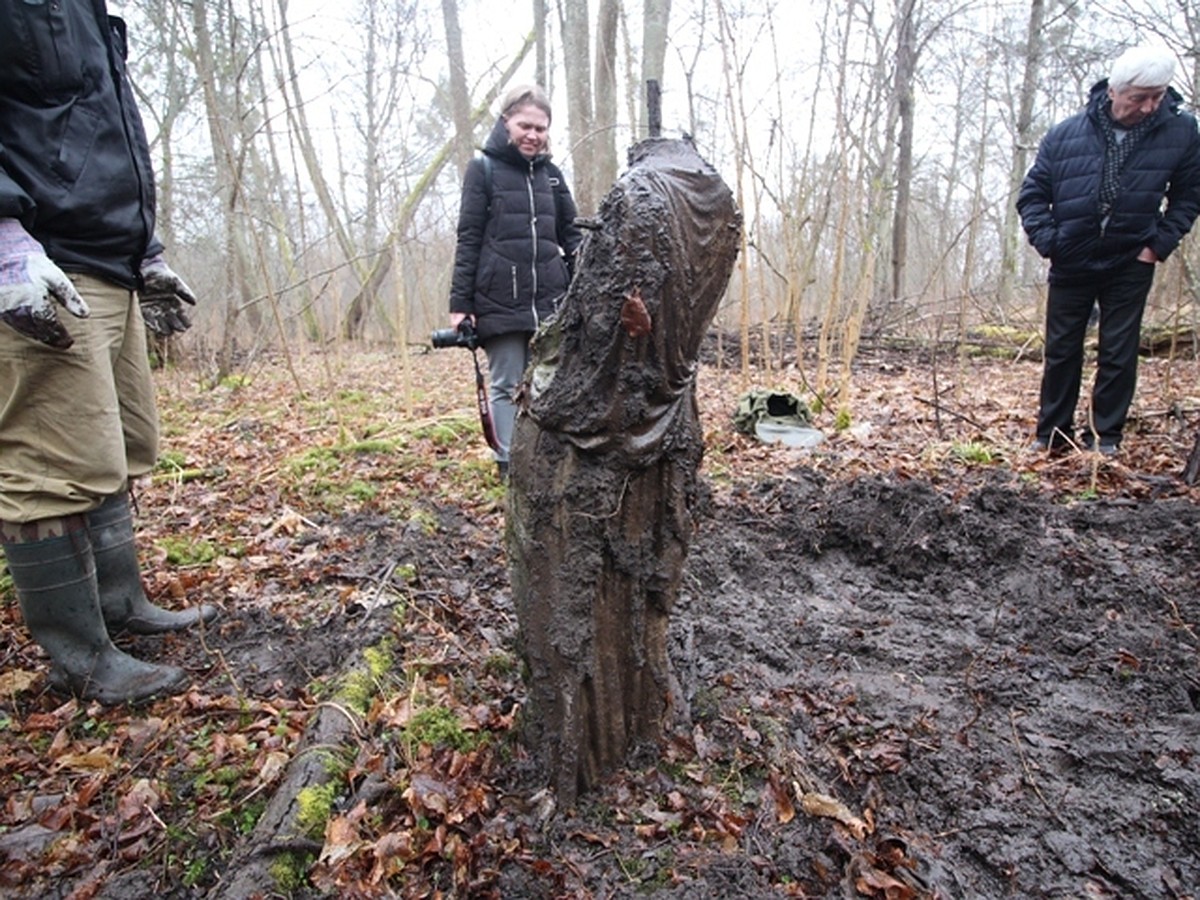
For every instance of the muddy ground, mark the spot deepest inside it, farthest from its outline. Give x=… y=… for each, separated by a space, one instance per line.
x=1004 y=689
x=1010 y=685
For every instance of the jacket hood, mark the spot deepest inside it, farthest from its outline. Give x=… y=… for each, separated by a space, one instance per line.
x=498 y=146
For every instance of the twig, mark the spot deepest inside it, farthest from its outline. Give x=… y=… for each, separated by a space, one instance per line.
x=941 y=407
x=1012 y=720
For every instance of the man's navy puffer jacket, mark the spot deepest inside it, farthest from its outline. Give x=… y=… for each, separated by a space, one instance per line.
x=516 y=235
x=1059 y=201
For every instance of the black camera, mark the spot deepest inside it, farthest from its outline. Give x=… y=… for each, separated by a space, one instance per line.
x=462 y=336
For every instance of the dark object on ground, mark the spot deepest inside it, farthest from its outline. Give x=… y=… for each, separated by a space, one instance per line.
x=603 y=470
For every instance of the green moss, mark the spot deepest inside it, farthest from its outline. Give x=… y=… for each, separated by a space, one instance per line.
x=380 y=658
x=437 y=726
x=235 y=382
x=184 y=552
x=448 y=430
x=424 y=520
x=315 y=805
x=171 y=461
x=842 y=420
x=501 y=663
x=360 y=490
x=356 y=689
x=289 y=871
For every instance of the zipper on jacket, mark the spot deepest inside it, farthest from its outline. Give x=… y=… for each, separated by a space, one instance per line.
x=534 y=248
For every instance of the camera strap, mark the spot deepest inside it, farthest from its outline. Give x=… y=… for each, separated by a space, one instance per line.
x=485 y=406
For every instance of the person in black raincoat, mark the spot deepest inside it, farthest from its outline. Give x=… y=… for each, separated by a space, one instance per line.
x=516 y=247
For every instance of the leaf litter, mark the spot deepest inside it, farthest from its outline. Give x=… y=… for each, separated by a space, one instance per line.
x=904 y=670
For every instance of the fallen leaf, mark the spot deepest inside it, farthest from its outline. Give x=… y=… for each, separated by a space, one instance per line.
x=16 y=681
x=823 y=805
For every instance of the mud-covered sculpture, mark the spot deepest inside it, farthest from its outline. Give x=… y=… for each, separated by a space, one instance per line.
x=603 y=480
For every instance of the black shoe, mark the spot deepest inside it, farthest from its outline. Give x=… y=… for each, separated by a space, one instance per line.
x=1105 y=447
x=1041 y=445
x=502 y=469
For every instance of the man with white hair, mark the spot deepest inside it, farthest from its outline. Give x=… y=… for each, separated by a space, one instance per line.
x=1093 y=204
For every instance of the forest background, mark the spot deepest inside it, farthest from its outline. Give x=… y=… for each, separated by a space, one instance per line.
x=310 y=155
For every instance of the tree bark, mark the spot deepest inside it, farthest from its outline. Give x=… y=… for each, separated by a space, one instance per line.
x=460 y=100
x=604 y=154
x=603 y=484
x=1022 y=145
x=576 y=41
x=906 y=73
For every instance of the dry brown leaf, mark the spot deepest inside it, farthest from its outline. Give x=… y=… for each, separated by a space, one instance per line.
x=815 y=804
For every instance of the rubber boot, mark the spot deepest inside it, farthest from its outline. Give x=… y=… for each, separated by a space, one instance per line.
x=122 y=598
x=55 y=579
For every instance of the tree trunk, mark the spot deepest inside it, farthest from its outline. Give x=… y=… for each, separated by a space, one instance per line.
x=460 y=100
x=605 y=455
x=604 y=155
x=906 y=73
x=656 y=14
x=576 y=40
x=1022 y=141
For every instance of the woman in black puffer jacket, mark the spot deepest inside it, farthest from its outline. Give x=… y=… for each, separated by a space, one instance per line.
x=516 y=246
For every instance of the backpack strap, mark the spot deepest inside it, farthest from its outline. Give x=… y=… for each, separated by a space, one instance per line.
x=487 y=178
x=557 y=184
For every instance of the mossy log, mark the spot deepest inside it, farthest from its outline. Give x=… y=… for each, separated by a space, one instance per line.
x=604 y=485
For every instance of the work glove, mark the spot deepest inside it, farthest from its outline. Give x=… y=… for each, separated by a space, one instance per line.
x=28 y=283
x=162 y=296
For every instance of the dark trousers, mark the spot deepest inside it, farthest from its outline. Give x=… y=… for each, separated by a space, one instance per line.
x=1121 y=295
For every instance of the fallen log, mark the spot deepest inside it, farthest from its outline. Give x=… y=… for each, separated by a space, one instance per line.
x=603 y=488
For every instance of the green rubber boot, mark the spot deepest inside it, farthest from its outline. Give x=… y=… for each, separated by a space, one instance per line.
x=122 y=598
x=55 y=579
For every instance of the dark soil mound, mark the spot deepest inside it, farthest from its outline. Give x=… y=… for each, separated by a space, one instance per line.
x=1008 y=688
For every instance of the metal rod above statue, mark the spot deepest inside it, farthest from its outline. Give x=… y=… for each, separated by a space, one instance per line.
x=604 y=484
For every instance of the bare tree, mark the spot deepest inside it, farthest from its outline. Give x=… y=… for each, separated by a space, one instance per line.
x=576 y=37
x=604 y=154
x=906 y=71
x=1022 y=145
x=460 y=101
x=656 y=17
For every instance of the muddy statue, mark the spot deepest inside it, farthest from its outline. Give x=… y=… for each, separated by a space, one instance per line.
x=603 y=477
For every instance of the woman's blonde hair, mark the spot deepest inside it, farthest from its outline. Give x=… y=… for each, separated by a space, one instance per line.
x=525 y=95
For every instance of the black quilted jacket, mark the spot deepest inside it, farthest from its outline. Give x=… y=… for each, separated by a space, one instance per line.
x=516 y=239
x=74 y=163
x=1059 y=199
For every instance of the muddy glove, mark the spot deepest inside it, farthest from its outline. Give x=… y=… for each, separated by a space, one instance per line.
x=28 y=283
x=162 y=297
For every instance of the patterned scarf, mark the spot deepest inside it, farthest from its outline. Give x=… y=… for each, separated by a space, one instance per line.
x=1116 y=154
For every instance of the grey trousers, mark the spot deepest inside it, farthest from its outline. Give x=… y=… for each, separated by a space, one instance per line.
x=508 y=357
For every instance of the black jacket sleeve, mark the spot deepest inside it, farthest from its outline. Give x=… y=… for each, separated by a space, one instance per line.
x=472 y=225
x=569 y=235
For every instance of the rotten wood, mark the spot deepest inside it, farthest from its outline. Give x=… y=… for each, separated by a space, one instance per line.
x=603 y=487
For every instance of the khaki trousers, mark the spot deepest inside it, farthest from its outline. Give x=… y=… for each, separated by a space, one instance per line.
x=76 y=425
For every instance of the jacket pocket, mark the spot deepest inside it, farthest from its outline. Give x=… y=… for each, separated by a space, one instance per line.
x=79 y=128
x=38 y=35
